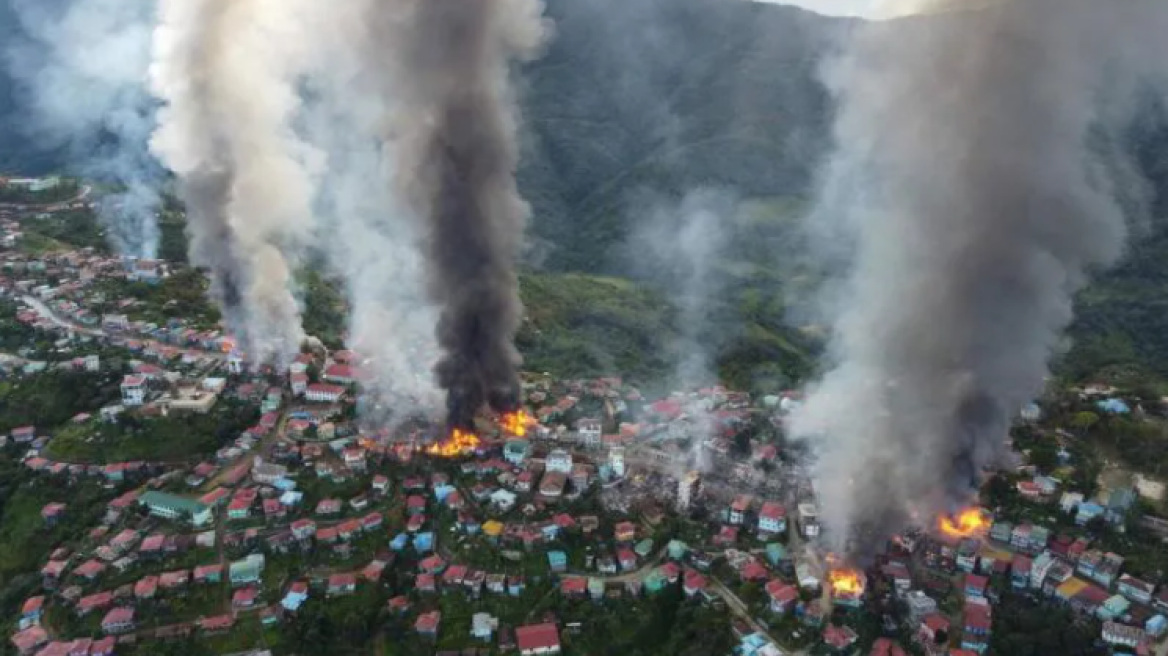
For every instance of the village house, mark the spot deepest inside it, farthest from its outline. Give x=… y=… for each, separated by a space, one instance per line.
x=118 y=620
x=772 y=518
x=537 y=639
x=324 y=393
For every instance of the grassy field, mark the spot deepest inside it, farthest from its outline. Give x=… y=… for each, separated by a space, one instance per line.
x=163 y=439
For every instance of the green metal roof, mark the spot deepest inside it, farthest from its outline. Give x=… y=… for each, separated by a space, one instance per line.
x=173 y=501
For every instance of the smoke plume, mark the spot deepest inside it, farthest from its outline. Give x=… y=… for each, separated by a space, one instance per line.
x=679 y=247
x=83 y=66
x=226 y=71
x=974 y=174
x=457 y=151
x=370 y=239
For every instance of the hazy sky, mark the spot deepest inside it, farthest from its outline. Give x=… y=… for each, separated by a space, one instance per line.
x=839 y=7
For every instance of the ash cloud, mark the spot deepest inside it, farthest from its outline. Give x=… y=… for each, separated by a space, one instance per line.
x=976 y=182
x=226 y=72
x=456 y=152
x=679 y=247
x=83 y=65
x=370 y=238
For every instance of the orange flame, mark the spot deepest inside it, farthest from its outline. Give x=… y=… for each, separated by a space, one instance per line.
x=516 y=423
x=845 y=582
x=458 y=443
x=967 y=523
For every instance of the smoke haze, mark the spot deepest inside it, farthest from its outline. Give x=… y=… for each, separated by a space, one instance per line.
x=972 y=178
x=371 y=240
x=456 y=150
x=83 y=65
x=226 y=71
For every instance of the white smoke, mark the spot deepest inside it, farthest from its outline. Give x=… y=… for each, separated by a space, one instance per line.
x=227 y=72
x=84 y=63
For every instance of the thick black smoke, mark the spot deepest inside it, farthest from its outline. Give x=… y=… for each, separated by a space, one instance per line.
x=457 y=157
x=972 y=178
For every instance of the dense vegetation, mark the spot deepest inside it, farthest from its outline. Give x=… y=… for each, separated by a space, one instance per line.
x=54 y=397
x=176 y=437
x=65 y=190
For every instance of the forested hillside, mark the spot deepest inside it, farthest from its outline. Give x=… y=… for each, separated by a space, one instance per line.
x=656 y=98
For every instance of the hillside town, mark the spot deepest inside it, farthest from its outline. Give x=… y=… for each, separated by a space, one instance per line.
x=596 y=500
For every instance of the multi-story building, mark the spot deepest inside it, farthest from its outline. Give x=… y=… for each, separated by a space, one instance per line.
x=687 y=489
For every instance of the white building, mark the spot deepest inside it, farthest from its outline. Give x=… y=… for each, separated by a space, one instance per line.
x=919 y=604
x=324 y=393
x=483 y=626
x=589 y=432
x=809 y=520
x=616 y=460
x=133 y=391
x=559 y=460
x=235 y=362
x=687 y=489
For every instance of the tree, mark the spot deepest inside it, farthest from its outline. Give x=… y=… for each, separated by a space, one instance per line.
x=1044 y=456
x=1084 y=421
x=998 y=491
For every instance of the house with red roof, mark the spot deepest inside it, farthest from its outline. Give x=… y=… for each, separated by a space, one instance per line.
x=425 y=583
x=173 y=580
x=574 y=586
x=328 y=507
x=324 y=393
x=209 y=573
x=216 y=624
x=372 y=521
x=341 y=374
x=535 y=639
x=90 y=570
x=783 y=597
x=727 y=536
x=302 y=529
x=886 y=647
x=627 y=559
x=93 y=602
x=428 y=623
x=625 y=532
x=29 y=640
x=694 y=582
x=51 y=513
x=146 y=587
x=432 y=564
x=839 y=638
x=118 y=620
x=103 y=647
x=342 y=584
x=245 y=597
x=752 y=570
x=772 y=518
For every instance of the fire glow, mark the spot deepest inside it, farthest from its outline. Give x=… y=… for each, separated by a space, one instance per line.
x=845 y=582
x=967 y=523
x=458 y=443
x=515 y=423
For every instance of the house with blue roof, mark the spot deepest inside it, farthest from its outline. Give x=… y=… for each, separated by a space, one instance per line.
x=1087 y=511
x=424 y=542
x=776 y=553
x=399 y=541
x=1113 y=406
x=558 y=561
x=443 y=491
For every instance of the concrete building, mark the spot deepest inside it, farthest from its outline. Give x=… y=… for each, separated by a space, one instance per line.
x=616 y=460
x=559 y=460
x=687 y=489
x=133 y=391
x=170 y=506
